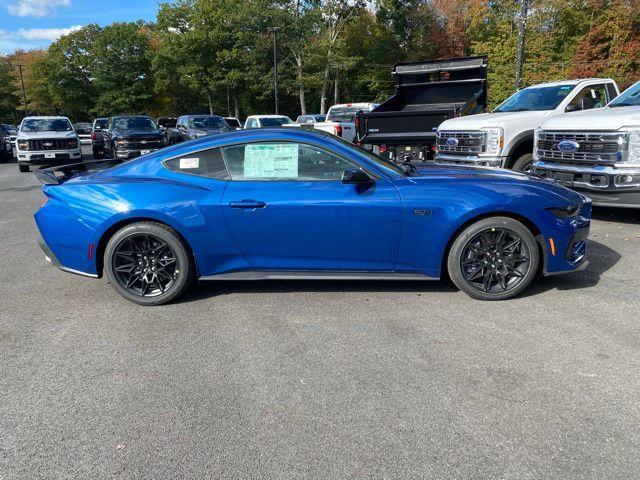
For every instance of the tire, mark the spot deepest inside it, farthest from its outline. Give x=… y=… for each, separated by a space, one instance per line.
x=128 y=247
x=524 y=163
x=23 y=168
x=473 y=262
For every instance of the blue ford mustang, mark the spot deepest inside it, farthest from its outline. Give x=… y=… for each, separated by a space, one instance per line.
x=284 y=203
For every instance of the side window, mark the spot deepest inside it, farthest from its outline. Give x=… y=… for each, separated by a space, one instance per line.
x=593 y=96
x=283 y=161
x=208 y=163
x=612 y=92
x=251 y=123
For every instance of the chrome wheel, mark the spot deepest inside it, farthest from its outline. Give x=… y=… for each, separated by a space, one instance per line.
x=496 y=260
x=145 y=265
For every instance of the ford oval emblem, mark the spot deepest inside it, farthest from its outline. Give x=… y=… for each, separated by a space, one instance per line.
x=568 y=146
x=452 y=142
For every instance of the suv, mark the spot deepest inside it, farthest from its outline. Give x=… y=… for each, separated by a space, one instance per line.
x=504 y=138
x=46 y=141
x=596 y=153
x=131 y=136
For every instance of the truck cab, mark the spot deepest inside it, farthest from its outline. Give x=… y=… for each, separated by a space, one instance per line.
x=504 y=138
x=341 y=119
x=596 y=152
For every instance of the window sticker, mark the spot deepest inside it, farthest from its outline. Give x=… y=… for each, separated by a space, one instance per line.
x=569 y=87
x=188 y=163
x=271 y=161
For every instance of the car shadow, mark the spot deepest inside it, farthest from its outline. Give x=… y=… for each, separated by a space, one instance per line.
x=616 y=215
x=601 y=258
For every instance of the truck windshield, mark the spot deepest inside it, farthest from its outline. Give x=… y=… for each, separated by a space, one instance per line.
x=629 y=98
x=134 y=123
x=535 y=98
x=275 y=121
x=343 y=114
x=207 y=122
x=46 y=125
x=101 y=123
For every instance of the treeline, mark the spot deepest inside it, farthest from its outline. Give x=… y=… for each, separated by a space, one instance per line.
x=217 y=55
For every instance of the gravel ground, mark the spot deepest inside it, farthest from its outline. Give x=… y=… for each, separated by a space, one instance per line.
x=318 y=379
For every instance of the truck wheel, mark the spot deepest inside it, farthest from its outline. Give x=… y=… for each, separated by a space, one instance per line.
x=524 y=163
x=494 y=259
x=23 y=168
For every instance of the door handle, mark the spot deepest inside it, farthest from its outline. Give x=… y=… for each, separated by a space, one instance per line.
x=247 y=204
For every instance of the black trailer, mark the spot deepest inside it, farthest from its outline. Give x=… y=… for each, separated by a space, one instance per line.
x=403 y=128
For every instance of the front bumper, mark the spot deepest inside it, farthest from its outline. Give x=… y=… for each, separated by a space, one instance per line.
x=126 y=153
x=55 y=157
x=605 y=185
x=473 y=160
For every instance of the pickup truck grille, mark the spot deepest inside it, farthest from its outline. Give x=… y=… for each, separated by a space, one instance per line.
x=592 y=147
x=53 y=144
x=144 y=143
x=464 y=143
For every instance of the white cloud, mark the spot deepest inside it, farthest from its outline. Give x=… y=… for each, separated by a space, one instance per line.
x=50 y=34
x=35 y=8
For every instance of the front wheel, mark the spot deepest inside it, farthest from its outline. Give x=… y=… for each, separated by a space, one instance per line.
x=23 y=168
x=148 y=263
x=524 y=163
x=494 y=259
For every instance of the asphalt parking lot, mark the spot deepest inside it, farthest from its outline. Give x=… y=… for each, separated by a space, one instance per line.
x=318 y=379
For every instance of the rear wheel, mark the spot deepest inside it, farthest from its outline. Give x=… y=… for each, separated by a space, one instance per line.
x=23 y=168
x=524 y=163
x=494 y=259
x=147 y=263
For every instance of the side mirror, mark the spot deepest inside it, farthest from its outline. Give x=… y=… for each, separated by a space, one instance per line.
x=357 y=177
x=572 y=108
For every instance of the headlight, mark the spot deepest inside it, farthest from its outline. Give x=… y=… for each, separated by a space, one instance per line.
x=495 y=141
x=634 y=146
x=565 y=212
x=23 y=144
x=121 y=143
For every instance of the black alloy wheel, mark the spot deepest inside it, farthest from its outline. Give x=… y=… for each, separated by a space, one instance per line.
x=148 y=263
x=494 y=259
x=145 y=265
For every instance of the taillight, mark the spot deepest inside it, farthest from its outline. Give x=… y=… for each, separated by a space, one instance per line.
x=337 y=130
x=93 y=136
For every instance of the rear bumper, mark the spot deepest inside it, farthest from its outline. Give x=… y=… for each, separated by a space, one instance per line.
x=605 y=185
x=52 y=259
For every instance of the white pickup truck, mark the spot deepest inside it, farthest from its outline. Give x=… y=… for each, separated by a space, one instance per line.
x=595 y=152
x=46 y=141
x=341 y=119
x=504 y=138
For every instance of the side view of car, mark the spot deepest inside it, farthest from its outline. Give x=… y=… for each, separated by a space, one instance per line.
x=190 y=127
x=46 y=141
x=290 y=203
x=130 y=136
x=97 y=139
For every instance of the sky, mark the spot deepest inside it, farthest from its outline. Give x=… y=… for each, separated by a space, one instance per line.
x=28 y=24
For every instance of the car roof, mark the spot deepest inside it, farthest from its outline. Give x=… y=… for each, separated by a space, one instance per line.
x=45 y=117
x=572 y=82
x=131 y=116
x=268 y=116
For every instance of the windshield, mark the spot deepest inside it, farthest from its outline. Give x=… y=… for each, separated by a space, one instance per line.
x=343 y=114
x=168 y=122
x=101 y=123
x=134 y=123
x=82 y=127
x=381 y=162
x=629 y=98
x=275 y=121
x=46 y=125
x=535 y=98
x=207 y=122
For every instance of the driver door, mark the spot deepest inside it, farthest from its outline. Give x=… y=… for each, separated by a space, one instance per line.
x=288 y=209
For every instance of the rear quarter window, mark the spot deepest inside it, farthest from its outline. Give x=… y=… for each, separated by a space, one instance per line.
x=207 y=163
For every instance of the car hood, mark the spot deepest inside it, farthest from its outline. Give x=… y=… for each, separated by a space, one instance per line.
x=39 y=135
x=498 y=119
x=601 y=119
x=481 y=175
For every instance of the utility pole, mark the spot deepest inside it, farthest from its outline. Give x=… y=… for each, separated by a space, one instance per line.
x=24 y=95
x=274 y=30
x=522 y=31
x=228 y=102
